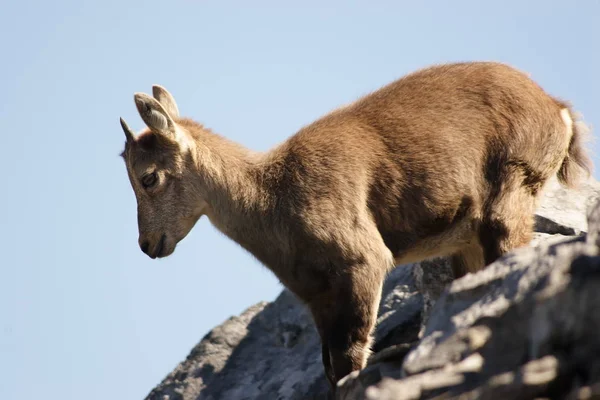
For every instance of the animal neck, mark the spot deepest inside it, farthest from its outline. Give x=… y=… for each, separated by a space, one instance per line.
x=227 y=176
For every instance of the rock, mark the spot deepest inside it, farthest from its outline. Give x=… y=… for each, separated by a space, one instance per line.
x=524 y=327
x=272 y=351
x=568 y=208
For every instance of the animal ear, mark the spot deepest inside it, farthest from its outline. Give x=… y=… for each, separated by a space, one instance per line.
x=166 y=100
x=154 y=115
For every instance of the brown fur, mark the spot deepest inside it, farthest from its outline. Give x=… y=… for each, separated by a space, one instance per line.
x=447 y=161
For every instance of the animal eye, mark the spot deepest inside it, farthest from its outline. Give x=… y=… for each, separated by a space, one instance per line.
x=149 y=180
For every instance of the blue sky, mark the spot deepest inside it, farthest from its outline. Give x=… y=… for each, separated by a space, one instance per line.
x=83 y=313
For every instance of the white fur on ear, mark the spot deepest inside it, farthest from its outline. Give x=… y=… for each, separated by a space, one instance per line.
x=166 y=100
x=154 y=115
x=157 y=121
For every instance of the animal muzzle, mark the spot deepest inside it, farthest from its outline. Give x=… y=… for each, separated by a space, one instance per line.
x=153 y=250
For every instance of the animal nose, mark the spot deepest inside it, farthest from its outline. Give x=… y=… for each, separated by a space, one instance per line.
x=145 y=245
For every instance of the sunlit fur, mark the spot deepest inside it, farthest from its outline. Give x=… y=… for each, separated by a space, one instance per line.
x=447 y=161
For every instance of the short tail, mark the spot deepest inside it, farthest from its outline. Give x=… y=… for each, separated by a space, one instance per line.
x=577 y=163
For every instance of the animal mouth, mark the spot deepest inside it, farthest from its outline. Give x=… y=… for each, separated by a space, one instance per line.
x=160 y=247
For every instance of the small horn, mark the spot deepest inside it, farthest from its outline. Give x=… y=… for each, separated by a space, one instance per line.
x=128 y=132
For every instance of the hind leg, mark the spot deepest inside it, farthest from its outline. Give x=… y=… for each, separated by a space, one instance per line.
x=468 y=259
x=507 y=222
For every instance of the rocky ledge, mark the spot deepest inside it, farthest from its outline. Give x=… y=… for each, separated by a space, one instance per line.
x=526 y=327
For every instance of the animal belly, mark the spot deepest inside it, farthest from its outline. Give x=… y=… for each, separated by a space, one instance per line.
x=440 y=244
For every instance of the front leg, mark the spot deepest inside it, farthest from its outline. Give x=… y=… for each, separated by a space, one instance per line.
x=326 y=357
x=346 y=320
x=321 y=316
x=349 y=338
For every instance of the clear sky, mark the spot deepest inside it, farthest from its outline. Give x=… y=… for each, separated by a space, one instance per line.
x=83 y=312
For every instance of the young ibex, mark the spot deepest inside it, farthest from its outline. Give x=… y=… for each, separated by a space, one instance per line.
x=447 y=161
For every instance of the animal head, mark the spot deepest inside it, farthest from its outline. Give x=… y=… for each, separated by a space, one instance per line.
x=160 y=166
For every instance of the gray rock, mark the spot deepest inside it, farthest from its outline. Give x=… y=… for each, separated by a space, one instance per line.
x=524 y=327
x=272 y=351
x=568 y=207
